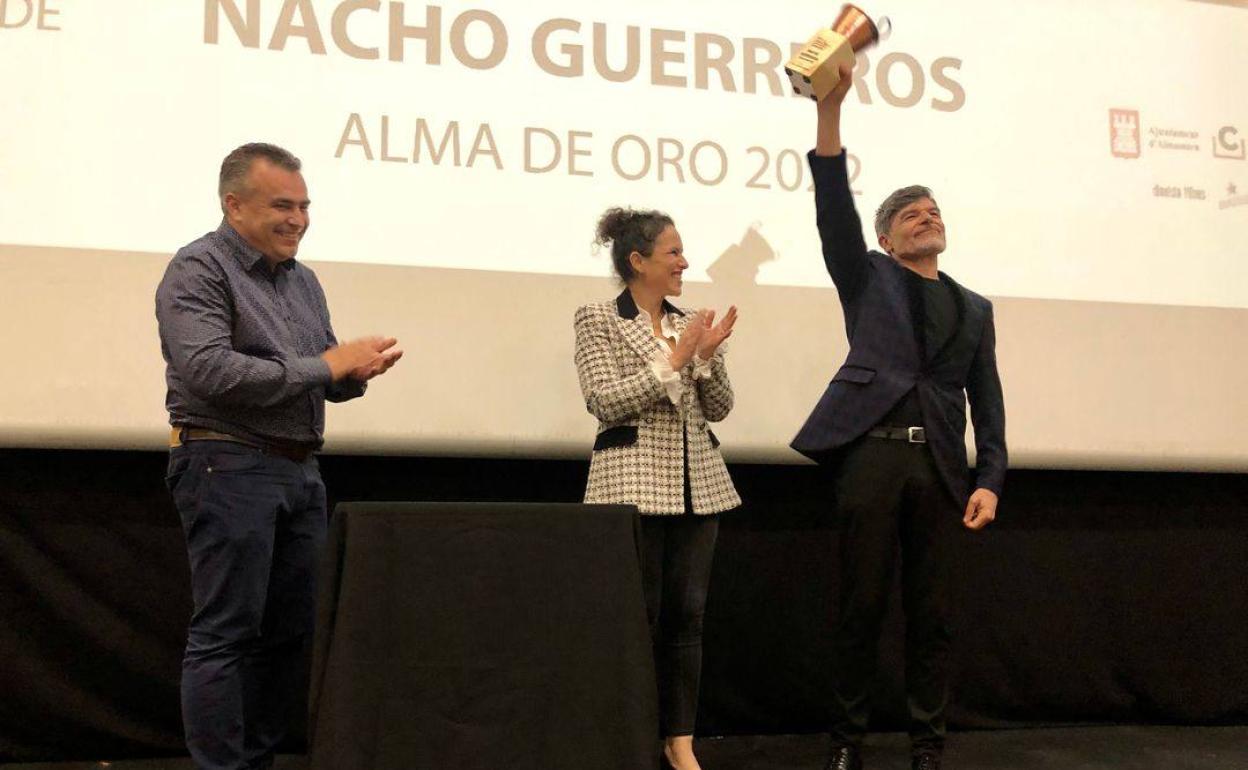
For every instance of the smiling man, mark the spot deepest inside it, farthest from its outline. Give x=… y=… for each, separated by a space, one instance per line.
x=250 y=361
x=890 y=429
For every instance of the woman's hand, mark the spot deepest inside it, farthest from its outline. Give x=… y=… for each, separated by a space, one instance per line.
x=689 y=341
x=712 y=336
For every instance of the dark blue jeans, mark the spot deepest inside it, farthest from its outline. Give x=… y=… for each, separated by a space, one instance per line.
x=255 y=525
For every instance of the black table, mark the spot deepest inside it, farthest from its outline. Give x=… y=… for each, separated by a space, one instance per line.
x=482 y=636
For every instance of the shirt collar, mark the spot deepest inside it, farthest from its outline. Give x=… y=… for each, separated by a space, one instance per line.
x=248 y=256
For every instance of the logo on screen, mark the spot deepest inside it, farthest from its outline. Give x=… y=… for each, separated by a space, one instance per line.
x=1227 y=143
x=1124 y=133
x=1233 y=197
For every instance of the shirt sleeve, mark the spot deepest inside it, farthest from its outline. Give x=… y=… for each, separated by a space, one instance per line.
x=701 y=368
x=194 y=311
x=668 y=377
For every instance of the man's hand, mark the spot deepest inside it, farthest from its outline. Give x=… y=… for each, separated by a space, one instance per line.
x=362 y=356
x=690 y=340
x=712 y=336
x=828 y=138
x=380 y=366
x=981 y=509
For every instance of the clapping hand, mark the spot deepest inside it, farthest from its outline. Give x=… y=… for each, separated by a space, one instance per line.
x=362 y=359
x=712 y=336
x=378 y=366
x=690 y=341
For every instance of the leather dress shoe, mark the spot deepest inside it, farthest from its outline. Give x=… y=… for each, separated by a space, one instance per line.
x=844 y=758
x=925 y=761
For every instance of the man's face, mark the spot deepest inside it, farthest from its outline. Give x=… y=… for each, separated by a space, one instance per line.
x=271 y=213
x=916 y=231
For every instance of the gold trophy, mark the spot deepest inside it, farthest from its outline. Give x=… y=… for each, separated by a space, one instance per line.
x=813 y=70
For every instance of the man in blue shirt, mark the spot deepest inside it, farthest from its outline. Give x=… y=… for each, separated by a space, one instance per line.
x=250 y=361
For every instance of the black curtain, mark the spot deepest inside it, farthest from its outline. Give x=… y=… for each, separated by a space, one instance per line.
x=1096 y=597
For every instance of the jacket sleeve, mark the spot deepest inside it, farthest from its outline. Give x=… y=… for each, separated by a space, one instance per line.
x=983 y=390
x=194 y=315
x=608 y=396
x=840 y=230
x=715 y=392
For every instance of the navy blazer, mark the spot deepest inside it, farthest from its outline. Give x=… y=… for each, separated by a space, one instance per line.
x=886 y=353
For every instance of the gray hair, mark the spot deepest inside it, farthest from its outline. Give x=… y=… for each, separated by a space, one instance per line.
x=894 y=203
x=234 y=168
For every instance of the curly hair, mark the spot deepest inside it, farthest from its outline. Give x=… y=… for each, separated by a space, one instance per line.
x=629 y=230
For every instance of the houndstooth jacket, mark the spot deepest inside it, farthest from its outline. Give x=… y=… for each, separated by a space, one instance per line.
x=639 y=452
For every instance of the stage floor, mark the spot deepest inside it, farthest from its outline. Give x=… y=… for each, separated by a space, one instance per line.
x=1077 y=748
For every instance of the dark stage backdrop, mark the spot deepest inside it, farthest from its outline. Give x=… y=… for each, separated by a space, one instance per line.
x=1096 y=597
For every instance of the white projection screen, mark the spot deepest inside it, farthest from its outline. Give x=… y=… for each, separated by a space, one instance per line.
x=1090 y=159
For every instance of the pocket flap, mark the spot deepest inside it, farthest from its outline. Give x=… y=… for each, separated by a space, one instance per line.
x=614 y=438
x=859 y=374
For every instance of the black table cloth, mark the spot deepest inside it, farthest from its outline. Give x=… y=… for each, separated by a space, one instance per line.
x=482 y=636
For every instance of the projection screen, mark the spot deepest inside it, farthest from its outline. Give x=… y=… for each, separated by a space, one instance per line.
x=1090 y=160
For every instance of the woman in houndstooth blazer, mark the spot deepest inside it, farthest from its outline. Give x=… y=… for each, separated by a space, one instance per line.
x=654 y=377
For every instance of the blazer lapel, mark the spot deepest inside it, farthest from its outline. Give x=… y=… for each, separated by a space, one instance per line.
x=633 y=328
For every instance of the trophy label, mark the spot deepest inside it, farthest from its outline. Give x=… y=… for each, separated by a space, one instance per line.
x=813 y=70
x=813 y=51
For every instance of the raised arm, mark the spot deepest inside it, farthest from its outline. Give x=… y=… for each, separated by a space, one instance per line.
x=840 y=230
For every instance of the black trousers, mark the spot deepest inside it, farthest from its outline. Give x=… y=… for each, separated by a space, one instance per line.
x=890 y=496
x=677 y=552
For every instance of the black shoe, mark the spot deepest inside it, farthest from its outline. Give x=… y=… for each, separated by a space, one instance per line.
x=844 y=758
x=925 y=761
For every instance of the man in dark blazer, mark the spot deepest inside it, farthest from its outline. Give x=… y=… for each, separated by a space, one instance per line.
x=891 y=428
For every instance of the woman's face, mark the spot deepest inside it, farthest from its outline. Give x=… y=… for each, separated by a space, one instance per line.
x=661 y=271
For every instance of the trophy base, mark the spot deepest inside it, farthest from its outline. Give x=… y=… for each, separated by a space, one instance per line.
x=814 y=69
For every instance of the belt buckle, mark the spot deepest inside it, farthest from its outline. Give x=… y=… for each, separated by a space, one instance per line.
x=916 y=435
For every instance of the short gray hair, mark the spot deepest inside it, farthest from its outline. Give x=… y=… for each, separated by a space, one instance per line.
x=234 y=168
x=894 y=203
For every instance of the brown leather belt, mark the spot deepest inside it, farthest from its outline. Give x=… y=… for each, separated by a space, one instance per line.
x=179 y=435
